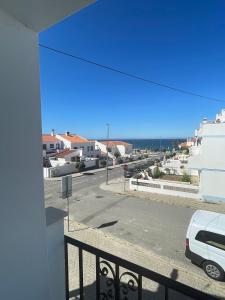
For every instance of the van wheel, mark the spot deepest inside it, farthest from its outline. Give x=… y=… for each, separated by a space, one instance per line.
x=213 y=270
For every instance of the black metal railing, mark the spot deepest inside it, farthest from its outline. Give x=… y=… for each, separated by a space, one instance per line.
x=118 y=279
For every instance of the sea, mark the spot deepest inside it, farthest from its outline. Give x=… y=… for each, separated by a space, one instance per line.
x=154 y=144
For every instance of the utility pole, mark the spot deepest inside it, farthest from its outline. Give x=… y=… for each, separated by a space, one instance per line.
x=107 y=156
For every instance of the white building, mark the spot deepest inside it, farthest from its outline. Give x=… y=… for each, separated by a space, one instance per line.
x=65 y=156
x=30 y=265
x=208 y=157
x=74 y=141
x=123 y=148
x=50 y=143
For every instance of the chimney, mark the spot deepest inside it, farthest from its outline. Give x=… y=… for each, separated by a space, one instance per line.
x=53 y=132
x=67 y=133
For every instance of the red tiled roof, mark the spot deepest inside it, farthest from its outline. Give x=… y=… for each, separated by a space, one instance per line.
x=63 y=153
x=74 y=138
x=49 y=138
x=114 y=143
x=184 y=145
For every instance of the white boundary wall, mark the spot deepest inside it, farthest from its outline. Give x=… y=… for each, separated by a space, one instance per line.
x=164 y=187
x=66 y=169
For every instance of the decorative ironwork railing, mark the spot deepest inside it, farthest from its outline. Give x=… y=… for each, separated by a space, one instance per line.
x=119 y=279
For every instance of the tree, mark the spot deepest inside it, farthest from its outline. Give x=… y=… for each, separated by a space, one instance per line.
x=119 y=160
x=117 y=154
x=80 y=166
x=157 y=173
x=185 y=177
x=186 y=151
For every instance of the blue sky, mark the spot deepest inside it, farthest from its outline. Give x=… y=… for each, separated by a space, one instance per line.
x=179 y=43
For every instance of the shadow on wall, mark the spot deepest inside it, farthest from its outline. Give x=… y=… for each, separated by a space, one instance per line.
x=128 y=288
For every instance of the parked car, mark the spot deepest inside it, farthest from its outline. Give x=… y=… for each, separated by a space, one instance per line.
x=205 y=243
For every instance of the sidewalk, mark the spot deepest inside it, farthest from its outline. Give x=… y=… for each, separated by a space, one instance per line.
x=117 y=186
x=136 y=254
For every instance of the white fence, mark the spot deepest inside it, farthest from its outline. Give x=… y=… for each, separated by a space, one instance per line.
x=165 y=187
x=60 y=170
x=66 y=169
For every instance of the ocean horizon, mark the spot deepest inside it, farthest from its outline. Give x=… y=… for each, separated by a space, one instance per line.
x=153 y=144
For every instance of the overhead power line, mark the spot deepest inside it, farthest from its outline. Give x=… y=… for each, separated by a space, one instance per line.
x=132 y=75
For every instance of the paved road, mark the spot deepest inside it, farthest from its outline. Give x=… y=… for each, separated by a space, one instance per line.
x=156 y=226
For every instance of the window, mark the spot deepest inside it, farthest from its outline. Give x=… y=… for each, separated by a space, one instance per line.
x=57 y=146
x=73 y=158
x=92 y=148
x=210 y=238
x=44 y=147
x=51 y=146
x=88 y=148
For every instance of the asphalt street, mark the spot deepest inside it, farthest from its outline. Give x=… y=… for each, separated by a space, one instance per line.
x=156 y=226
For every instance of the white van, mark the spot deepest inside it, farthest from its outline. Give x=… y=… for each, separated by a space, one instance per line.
x=205 y=243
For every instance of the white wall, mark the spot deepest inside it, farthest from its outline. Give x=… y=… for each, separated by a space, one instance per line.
x=164 y=187
x=121 y=149
x=101 y=146
x=212 y=185
x=210 y=161
x=62 y=170
x=90 y=163
x=55 y=246
x=54 y=143
x=23 y=250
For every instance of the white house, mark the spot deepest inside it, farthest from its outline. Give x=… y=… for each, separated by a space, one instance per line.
x=74 y=141
x=64 y=156
x=120 y=147
x=50 y=143
x=186 y=145
x=208 y=157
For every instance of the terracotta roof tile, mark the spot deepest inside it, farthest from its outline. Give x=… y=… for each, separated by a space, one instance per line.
x=114 y=143
x=74 y=138
x=63 y=153
x=49 y=138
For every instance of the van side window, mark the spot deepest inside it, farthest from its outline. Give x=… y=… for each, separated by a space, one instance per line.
x=213 y=239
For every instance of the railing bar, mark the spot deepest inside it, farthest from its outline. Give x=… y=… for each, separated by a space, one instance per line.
x=66 y=271
x=166 y=292
x=161 y=279
x=81 y=274
x=97 y=277
x=139 y=287
x=117 y=283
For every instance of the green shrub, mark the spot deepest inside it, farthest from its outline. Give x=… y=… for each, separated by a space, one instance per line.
x=186 y=178
x=157 y=173
x=117 y=154
x=103 y=163
x=80 y=166
x=119 y=160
